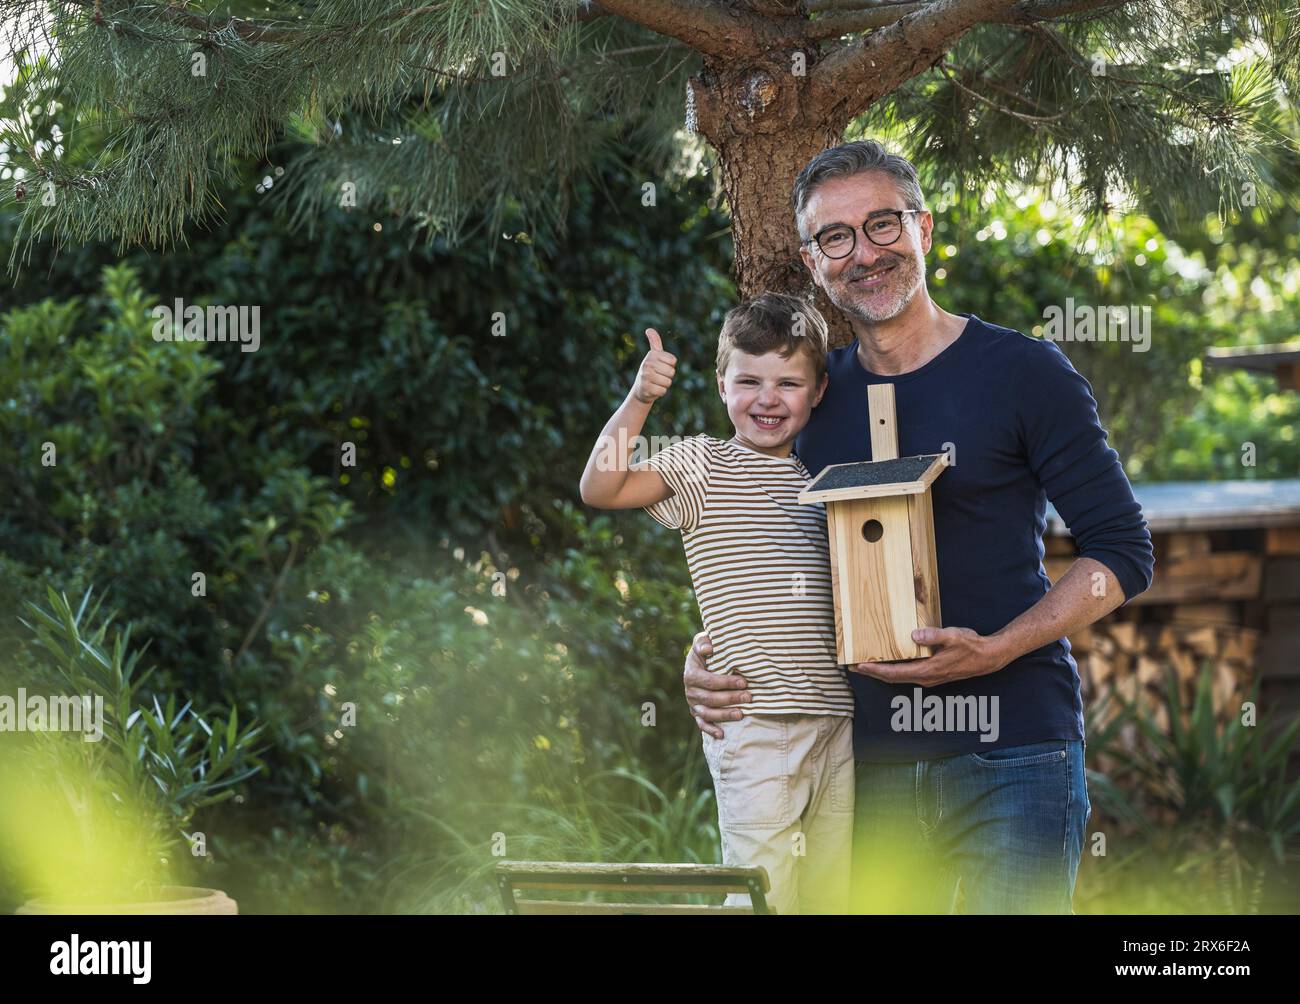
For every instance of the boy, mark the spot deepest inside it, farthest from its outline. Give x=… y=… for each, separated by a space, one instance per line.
x=783 y=774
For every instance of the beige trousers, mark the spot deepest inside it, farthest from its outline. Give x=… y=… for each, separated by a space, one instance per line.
x=784 y=786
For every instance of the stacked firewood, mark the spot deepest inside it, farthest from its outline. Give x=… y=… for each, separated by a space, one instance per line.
x=1134 y=661
x=1191 y=619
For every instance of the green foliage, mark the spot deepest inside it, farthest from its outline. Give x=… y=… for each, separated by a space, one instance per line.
x=148 y=485
x=157 y=764
x=448 y=117
x=1022 y=243
x=1008 y=257
x=460 y=113
x=167 y=747
x=493 y=703
x=617 y=816
x=1167 y=110
x=306 y=868
x=1209 y=818
x=1250 y=298
x=1233 y=410
x=328 y=585
x=497 y=642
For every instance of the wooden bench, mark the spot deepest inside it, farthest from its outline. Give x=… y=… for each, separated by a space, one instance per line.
x=514 y=877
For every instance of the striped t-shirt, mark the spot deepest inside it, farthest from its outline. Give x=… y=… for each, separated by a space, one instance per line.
x=761 y=572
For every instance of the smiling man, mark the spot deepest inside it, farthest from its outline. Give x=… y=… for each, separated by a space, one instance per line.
x=958 y=812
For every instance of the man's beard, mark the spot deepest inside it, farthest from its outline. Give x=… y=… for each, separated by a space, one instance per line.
x=882 y=304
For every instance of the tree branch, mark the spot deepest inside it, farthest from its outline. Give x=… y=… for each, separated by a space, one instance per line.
x=911 y=38
x=774 y=8
x=877 y=16
x=860 y=15
x=856 y=74
x=1033 y=11
x=709 y=26
x=247 y=29
x=821 y=6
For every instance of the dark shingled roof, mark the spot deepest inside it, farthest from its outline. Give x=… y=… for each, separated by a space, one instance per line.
x=880 y=472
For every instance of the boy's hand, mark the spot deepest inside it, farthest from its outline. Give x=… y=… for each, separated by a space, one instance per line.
x=656 y=373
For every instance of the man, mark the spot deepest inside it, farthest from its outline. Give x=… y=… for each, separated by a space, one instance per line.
x=985 y=810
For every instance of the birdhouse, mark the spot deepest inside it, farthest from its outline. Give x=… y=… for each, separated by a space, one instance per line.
x=880 y=522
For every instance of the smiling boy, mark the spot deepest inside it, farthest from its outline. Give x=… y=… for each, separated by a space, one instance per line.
x=782 y=774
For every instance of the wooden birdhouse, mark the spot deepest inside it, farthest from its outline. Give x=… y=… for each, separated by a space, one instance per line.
x=881 y=526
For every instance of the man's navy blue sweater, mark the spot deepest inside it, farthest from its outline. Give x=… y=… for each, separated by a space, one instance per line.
x=1023 y=429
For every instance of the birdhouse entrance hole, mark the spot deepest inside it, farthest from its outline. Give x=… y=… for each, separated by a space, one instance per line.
x=872 y=530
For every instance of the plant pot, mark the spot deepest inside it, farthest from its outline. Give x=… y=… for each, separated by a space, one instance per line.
x=171 y=900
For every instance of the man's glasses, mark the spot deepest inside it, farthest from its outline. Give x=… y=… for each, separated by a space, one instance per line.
x=882 y=229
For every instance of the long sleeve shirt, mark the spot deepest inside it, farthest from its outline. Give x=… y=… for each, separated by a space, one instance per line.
x=1020 y=426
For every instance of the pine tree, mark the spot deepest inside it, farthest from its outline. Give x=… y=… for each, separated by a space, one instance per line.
x=125 y=117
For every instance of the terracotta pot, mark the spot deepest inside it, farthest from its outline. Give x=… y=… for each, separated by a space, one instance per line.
x=172 y=900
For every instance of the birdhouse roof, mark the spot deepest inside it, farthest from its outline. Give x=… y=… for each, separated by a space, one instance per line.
x=873 y=479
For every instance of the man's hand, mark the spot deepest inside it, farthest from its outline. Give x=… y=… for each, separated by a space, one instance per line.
x=709 y=695
x=961 y=654
x=656 y=373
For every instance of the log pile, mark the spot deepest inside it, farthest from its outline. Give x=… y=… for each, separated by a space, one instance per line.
x=1202 y=610
x=1134 y=661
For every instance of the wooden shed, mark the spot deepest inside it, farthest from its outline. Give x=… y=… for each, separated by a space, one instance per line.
x=1226 y=590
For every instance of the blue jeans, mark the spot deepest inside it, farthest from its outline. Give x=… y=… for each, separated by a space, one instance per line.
x=994 y=832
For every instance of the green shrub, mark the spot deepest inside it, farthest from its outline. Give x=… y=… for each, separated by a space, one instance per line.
x=1207 y=818
x=91 y=820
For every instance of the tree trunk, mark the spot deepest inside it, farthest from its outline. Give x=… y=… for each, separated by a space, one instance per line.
x=758 y=118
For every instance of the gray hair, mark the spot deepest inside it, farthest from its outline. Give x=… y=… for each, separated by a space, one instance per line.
x=848 y=159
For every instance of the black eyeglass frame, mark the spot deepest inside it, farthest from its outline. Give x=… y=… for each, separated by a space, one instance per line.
x=898 y=214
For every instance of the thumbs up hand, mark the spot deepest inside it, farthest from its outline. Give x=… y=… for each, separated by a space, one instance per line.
x=656 y=373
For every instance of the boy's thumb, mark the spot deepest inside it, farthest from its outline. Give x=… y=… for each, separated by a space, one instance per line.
x=655 y=342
